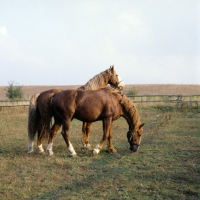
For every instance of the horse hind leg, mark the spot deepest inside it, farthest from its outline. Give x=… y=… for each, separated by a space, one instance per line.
x=30 y=146
x=54 y=130
x=39 y=142
x=65 y=134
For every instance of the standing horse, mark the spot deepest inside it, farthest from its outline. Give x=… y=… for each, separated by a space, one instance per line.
x=105 y=104
x=37 y=103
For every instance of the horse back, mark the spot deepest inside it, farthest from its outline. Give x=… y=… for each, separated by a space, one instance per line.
x=88 y=106
x=94 y=105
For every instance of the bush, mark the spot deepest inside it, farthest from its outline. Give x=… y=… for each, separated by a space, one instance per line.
x=14 y=92
x=132 y=92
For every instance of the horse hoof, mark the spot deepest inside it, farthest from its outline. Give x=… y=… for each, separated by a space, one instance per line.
x=29 y=152
x=94 y=153
x=41 y=152
x=73 y=155
x=88 y=148
x=113 y=151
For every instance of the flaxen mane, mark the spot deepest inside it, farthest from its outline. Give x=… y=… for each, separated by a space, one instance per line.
x=96 y=81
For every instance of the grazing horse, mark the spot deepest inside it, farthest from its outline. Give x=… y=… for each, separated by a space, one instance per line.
x=105 y=104
x=37 y=106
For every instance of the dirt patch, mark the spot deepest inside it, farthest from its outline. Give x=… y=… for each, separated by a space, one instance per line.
x=142 y=89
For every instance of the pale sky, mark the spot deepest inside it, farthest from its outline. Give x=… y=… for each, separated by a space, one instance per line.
x=67 y=42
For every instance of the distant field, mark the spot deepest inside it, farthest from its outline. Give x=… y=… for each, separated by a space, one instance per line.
x=142 y=89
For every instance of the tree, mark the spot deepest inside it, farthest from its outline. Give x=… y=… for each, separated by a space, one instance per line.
x=14 y=92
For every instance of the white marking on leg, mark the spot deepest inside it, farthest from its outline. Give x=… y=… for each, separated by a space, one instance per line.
x=30 y=146
x=84 y=146
x=71 y=149
x=50 y=148
x=40 y=149
x=97 y=149
x=88 y=146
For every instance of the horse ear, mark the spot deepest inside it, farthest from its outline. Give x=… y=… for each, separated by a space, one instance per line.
x=112 y=67
x=141 y=125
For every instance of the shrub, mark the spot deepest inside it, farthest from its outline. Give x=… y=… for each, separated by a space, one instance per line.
x=132 y=92
x=14 y=92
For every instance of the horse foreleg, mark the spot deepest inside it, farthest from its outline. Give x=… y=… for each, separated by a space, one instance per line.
x=54 y=130
x=110 y=146
x=107 y=124
x=87 y=138
x=65 y=134
x=83 y=134
x=86 y=134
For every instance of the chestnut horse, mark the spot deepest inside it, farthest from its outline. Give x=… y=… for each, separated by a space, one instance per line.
x=36 y=107
x=105 y=104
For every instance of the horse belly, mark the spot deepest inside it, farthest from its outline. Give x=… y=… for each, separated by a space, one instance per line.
x=87 y=115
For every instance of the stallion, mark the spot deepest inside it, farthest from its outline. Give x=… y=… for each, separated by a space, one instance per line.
x=106 y=105
x=37 y=106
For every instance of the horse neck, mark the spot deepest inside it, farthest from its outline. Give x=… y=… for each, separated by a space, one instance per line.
x=99 y=81
x=130 y=113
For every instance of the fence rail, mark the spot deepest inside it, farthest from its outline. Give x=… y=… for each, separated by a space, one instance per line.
x=136 y=99
x=14 y=103
x=165 y=98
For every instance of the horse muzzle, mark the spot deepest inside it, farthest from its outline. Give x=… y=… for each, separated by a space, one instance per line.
x=121 y=85
x=134 y=148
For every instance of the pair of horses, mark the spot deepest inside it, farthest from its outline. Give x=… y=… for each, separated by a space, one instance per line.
x=86 y=104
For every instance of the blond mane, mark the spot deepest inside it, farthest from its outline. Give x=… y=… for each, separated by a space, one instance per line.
x=97 y=81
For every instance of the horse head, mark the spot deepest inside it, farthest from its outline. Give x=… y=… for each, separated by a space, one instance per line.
x=134 y=138
x=115 y=80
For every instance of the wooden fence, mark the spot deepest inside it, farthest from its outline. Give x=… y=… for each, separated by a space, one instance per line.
x=7 y=103
x=167 y=99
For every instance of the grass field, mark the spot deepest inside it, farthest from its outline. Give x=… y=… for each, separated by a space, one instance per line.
x=167 y=165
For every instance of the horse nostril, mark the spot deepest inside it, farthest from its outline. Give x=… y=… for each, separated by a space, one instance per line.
x=132 y=148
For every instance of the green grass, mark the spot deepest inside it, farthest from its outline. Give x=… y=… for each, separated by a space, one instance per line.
x=167 y=165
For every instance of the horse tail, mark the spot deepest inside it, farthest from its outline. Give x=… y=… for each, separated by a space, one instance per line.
x=32 y=117
x=47 y=115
